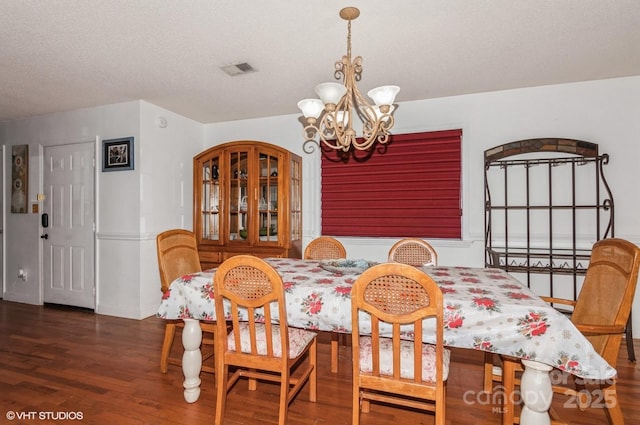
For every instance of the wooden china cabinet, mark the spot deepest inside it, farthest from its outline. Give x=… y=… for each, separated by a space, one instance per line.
x=247 y=200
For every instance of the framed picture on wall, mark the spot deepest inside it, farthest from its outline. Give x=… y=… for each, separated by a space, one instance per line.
x=117 y=154
x=19 y=178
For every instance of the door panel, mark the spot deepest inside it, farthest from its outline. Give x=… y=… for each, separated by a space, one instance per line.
x=68 y=250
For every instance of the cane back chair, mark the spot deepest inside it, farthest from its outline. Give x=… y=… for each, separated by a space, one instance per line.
x=413 y=251
x=600 y=312
x=258 y=348
x=327 y=248
x=394 y=369
x=178 y=256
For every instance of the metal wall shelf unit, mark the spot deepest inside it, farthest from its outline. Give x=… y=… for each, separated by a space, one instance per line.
x=546 y=202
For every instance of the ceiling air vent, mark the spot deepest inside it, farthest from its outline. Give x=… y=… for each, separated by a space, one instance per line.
x=237 y=69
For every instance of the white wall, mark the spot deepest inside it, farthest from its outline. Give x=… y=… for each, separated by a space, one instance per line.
x=604 y=112
x=166 y=189
x=22 y=232
x=133 y=206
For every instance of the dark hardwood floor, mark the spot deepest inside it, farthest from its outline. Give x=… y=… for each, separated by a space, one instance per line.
x=92 y=369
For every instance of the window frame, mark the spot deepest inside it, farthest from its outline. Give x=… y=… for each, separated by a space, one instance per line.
x=385 y=192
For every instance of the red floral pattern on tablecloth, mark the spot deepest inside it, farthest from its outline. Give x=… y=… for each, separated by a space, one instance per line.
x=485 y=309
x=569 y=363
x=207 y=291
x=483 y=344
x=452 y=316
x=486 y=303
x=518 y=296
x=312 y=304
x=533 y=324
x=343 y=291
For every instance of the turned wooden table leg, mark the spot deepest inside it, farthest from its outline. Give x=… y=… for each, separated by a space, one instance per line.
x=191 y=359
x=537 y=393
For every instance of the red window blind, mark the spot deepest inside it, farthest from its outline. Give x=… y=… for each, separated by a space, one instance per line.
x=410 y=189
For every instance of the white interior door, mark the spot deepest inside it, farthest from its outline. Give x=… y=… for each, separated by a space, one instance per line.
x=68 y=240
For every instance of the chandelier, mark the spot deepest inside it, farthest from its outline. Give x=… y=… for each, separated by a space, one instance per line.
x=330 y=119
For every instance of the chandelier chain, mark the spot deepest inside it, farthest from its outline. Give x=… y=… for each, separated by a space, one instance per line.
x=349 y=40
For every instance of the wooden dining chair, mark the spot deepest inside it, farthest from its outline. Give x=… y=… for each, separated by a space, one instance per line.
x=324 y=248
x=178 y=256
x=413 y=251
x=259 y=348
x=600 y=313
x=394 y=369
x=328 y=248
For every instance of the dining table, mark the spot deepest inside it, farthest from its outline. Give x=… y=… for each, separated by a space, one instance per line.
x=485 y=309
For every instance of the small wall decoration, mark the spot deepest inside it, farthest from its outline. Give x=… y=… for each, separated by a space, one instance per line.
x=19 y=178
x=117 y=154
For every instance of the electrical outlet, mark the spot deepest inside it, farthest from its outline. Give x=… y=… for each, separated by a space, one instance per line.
x=22 y=274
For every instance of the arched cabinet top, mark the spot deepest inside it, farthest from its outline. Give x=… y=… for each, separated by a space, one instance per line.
x=253 y=144
x=572 y=146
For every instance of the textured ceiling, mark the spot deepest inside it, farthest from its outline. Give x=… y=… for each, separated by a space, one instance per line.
x=68 y=54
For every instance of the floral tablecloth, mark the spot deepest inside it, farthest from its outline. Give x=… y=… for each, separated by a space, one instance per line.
x=485 y=309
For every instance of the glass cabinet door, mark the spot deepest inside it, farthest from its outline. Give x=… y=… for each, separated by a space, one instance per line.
x=239 y=196
x=268 y=167
x=295 y=200
x=210 y=213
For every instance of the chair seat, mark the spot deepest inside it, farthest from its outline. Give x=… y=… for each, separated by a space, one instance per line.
x=299 y=339
x=406 y=359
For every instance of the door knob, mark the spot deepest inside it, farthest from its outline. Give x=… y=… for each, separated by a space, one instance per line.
x=45 y=236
